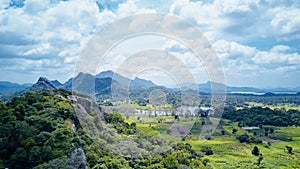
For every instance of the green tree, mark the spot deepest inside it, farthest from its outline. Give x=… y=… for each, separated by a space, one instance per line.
x=289 y=149
x=255 y=151
x=271 y=130
x=18 y=159
x=55 y=164
x=170 y=162
x=243 y=138
x=260 y=158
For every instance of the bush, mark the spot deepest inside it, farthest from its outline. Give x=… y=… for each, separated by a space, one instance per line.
x=207 y=150
x=289 y=149
x=255 y=151
x=244 y=138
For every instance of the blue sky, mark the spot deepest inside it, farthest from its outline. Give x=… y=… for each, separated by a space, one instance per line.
x=257 y=41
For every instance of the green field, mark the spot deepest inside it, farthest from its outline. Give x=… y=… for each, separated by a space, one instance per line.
x=228 y=152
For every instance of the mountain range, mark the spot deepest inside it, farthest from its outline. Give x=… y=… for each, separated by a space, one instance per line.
x=10 y=88
x=104 y=82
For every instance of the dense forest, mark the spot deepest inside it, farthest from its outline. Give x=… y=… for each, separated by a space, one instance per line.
x=256 y=116
x=41 y=130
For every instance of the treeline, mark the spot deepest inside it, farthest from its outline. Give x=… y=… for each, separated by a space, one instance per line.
x=256 y=116
x=243 y=100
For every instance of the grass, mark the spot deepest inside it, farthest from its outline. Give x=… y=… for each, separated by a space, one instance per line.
x=228 y=152
x=150 y=106
x=228 y=128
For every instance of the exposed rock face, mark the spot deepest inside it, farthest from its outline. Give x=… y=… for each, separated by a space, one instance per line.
x=42 y=84
x=78 y=159
x=45 y=83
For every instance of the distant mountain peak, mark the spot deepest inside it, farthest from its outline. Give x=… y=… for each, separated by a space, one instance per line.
x=56 y=83
x=10 y=88
x=104 y=74
x=82 y=74
x=137 y=78
x=46 y=83
x=43 y=79
x=136 y=82
x=107 y=71
x=42 y=84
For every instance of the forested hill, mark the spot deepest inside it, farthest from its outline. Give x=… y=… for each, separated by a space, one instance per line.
x=256 y=116
x=41 y=130
x=36 y=129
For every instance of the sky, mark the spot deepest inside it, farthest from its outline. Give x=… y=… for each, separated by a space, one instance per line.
x=257 y=42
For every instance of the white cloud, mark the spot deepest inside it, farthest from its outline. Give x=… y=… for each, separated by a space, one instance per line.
x=235 y=6
x=39 y=49
x=288 y=69
x=203 y=15
x=277 y=55
x=51 y=34
x=4 y=4
x=53 y=30
x=220 y=18
x=286 y=23
x=237 y=58
x=130 y=8
x=233 y=50
x=174 y=46
x=280 y=49
x=239 y=20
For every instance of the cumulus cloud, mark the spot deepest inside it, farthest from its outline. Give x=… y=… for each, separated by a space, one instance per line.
x=174 y=46
x=239 y=20
x=233 y=50
x=46 y=36
x=241 y=61
x=219 y=17
x=277 y=55
x=4 y=4
x=48 y=33
x=236 y=57
x=286 y=24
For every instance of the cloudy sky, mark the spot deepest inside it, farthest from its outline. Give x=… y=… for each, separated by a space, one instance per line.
x=256 y=41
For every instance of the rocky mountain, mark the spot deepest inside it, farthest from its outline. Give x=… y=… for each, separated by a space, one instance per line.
x=117 y=77
x=42 y=84
x=56 y=83
x=106 y=82
x=142 y=83
x=132 y=83
x=82 y=83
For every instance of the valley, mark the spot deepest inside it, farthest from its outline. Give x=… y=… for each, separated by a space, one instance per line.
x=135 y=84
x=46 y=126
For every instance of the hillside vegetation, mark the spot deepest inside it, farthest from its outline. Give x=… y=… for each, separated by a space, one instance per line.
x=41 y=130
x=49 y=129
